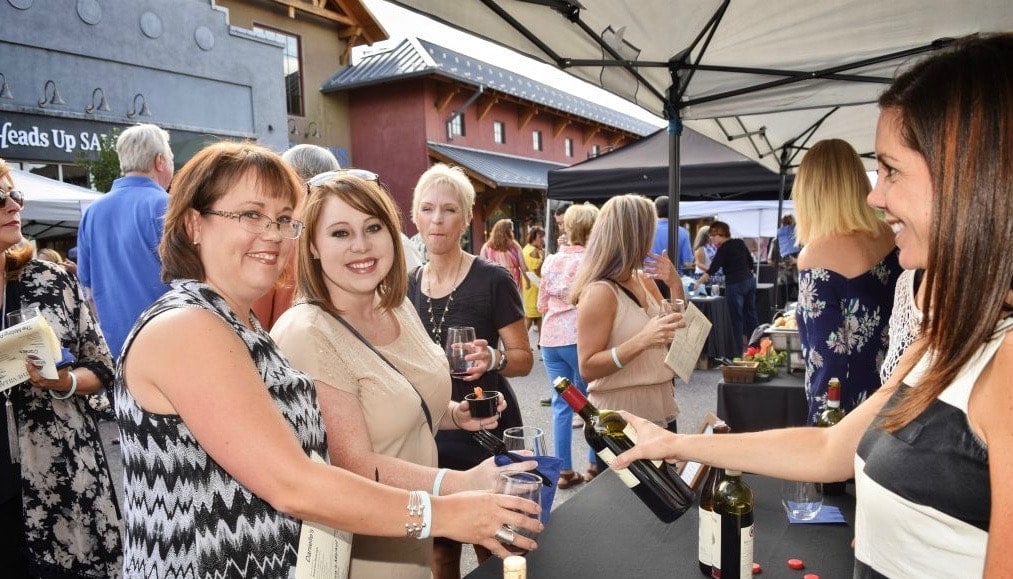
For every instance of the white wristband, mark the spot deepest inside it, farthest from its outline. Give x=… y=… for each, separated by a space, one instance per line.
x=68 y=393
x=492 y=358
x=438 y=481
x=615 y=359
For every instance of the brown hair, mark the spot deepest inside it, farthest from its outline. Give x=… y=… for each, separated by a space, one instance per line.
x=369 y=198
x=501 y=237
x=204 y=180
x=534 y=231
x=720 y=228
x=955 y=111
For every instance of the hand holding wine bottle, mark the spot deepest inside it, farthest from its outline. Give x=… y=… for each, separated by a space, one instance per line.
x=653 y=442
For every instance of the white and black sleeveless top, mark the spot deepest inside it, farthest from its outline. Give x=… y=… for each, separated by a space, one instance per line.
x=923 y=492
x=184 y=515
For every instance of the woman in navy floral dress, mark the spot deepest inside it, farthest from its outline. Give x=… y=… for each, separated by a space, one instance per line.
x=847 y=273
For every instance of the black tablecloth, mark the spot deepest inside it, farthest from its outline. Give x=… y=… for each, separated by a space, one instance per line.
x=606 y=531
x=720 y=342
x=763 y=405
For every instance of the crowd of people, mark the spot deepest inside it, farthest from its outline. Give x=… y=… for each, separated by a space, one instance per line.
x=271 y=311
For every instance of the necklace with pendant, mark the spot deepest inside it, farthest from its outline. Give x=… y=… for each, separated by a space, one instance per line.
x=436 y=329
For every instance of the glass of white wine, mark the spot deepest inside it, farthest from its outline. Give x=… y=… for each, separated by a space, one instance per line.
x=802 y=500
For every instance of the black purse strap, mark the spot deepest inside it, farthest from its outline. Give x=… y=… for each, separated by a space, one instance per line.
x=422 y=401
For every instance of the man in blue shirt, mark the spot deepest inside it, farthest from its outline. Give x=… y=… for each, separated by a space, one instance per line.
x=118 y=237
x=685 y=261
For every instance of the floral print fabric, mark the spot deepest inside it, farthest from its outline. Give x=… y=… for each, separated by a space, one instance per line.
x=72 y=521
x=842 y=324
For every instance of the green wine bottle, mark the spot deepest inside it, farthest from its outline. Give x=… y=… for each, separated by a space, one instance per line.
x=831 y=414
x=609 y=434
x=733 y=503
x=709 y=521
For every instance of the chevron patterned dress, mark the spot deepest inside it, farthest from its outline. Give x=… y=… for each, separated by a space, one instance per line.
x=184 y=515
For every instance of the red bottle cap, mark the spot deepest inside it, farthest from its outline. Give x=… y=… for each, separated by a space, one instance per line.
x=796 y=564
x=757 y=569
x=810 y=576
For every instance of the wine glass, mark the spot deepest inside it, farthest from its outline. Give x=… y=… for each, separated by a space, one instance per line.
x=460 y=341
x=673 y=306
x=525 y=485
x=22 y=315
x=530 y=438
x=802 y=500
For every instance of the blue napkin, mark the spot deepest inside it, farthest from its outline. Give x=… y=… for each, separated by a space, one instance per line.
x=548 y=466
x=827 y=515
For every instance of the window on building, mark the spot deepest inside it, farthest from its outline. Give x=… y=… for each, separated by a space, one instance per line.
x=292 y=68
x=594 y=151
x=456 y=126
x=499 y=132
x=536 y=140
x=568 y=147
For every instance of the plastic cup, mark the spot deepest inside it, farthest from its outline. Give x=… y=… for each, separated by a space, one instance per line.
x=484 y=407
x=802 y=500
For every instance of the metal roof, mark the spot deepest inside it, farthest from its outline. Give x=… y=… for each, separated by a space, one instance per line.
x=503 y=170
x=415 y=57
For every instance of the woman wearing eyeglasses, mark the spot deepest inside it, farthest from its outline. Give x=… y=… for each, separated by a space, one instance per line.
x=218 y=429
x=58 y=510
x=383 y=385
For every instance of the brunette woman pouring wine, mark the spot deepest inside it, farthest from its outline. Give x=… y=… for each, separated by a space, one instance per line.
x=458 y=289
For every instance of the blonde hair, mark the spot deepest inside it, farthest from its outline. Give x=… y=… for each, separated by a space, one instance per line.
x=830 y=193
x=578 y=221
x=447 y=176
x=50 y=254
x=620 y=241
x=366 y=197
x=702 y=237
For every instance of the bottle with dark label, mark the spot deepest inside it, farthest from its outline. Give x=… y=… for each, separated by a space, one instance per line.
x=733 y=503
x=831 y=414
x=608 y=434
x=708 y=518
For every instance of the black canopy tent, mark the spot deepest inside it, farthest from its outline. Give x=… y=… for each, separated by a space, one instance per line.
x=709 y=171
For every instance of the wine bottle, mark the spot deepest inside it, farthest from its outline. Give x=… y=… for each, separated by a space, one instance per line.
x=733 y=503
x=708 y=518
x=831 y=414
x=608 y=433
x=515 y=567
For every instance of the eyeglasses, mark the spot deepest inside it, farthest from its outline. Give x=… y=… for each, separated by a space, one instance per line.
x=256 y=222
x=325 y=177
x=14 y=195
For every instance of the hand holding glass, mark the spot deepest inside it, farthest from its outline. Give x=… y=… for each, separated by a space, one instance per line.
x=525 y=485
x=459 y=344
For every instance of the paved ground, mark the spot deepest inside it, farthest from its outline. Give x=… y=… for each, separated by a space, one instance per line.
x=695 y=399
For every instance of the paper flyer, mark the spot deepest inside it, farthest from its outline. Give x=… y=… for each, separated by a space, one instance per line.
x=33 y=338
x=324 y=553
x=688 y=342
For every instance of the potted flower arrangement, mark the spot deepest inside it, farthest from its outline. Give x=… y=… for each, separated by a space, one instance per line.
x=768 y=359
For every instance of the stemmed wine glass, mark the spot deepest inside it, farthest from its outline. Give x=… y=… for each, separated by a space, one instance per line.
x=460 y=343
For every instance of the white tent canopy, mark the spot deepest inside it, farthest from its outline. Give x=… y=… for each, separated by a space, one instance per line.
x=764 y=73
x=52 y=208
x=744 y=218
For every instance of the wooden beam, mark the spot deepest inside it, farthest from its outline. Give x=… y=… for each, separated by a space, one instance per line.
x=485 y=105
x=558 y=126
x=315 y=10
x=444 y=97
x=493 y=201
x=525 y=116
x=590 y=132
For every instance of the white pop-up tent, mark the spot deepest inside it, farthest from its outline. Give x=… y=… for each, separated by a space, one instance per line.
x=767 y=78
x=52 y=208
x=744 y=218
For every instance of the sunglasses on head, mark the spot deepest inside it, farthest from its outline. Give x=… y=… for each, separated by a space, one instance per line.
x=325 y=177
x=14 y=195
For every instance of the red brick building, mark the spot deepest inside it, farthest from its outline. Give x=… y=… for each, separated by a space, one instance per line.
x=419 y=103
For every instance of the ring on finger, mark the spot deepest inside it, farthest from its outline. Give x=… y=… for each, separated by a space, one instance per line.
x=505 y=535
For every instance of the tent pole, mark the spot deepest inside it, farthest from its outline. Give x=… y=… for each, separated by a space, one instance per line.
x=674 y=172
x=780 y=213
x=549 y=239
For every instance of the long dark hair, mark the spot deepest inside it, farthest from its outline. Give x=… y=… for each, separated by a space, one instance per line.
x=955 y=110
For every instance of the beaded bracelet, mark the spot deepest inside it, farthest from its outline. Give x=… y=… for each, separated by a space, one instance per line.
x=69 y=393
x=420 y=506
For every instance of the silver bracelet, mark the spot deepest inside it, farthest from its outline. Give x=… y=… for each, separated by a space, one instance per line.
x=69 y=393
x=420 y=506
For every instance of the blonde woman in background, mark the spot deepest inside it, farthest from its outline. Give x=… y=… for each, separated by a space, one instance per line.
x=848 y=270
x=622 y=335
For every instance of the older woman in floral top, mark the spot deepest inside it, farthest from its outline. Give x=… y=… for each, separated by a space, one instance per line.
x=558 y=337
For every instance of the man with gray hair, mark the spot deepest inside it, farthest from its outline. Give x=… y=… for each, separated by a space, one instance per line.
x=118 y=237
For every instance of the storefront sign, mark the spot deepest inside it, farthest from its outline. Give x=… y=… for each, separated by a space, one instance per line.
x=48 y=138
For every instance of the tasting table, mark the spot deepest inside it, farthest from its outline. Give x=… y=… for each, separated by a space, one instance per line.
x=777 y=403
x=720 y=342
x=606 y=531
